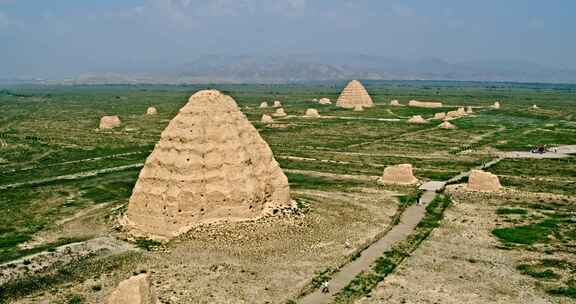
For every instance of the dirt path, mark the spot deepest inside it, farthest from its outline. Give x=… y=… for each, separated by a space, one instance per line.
x=76 y=161
x=72 y=176
x=408 y=221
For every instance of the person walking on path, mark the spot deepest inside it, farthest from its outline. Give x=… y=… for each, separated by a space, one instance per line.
x=325 y=288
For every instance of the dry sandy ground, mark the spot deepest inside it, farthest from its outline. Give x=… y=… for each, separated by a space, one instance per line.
x=264 y=261
x=460 y=264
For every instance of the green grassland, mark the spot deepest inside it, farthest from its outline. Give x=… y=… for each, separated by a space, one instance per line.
x=50 y=131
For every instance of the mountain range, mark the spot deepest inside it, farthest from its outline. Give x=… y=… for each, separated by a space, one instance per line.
x=318 y=67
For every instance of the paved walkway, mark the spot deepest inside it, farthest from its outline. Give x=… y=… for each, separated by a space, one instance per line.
x=408 y=221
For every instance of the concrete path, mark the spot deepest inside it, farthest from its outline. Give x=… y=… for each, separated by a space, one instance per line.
x=408 y=221
x=563 y=151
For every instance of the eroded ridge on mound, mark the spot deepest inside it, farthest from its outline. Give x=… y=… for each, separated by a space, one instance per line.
x=135 y=290
x=210 y=165
x=354 y=95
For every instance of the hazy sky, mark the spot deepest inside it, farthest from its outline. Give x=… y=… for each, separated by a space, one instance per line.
x=51 y=38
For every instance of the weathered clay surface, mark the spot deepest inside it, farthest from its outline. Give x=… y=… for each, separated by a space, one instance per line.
x=312 y=113
x=354 y=94
x=151 y=111
x=109 y=122
x=399 y=174
x=135 y=290
x=358 y=108
x=417 y=119
x=210 y=165
x=483 y=181
x=424 y=104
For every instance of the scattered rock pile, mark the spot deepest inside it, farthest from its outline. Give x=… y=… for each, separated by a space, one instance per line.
x=455 y=114
x=312 y=113
x=417 y=119
x=324 y=101
x=279 y=113
x=440 y=115
x=483 y=181
x=135 y=290
x=424 y=104
x=399 y=175
x=210 y=165
x=151 y=111
x=353 y=95
x=447 y=125
x=266 y=119
x=109 y=122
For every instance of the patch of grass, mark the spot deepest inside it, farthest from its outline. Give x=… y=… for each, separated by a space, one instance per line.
x=314 y=182
x=147 y=244
x=531 y=271
x=527 y=234
x=511 y=211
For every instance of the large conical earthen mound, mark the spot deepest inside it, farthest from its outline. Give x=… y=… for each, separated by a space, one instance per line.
x=210 y=165
x=353 y=95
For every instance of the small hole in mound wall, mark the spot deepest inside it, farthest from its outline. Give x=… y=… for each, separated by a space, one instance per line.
x=202 y=210
x=179 y=210
x=250 y=207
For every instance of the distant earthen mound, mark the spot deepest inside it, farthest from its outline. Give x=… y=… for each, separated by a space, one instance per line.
x=483 y=181
x=312 y=113
x=424 y=104
x=455 y=114
x=395 y=103
x=109 y=122
x=440 y=115
x=447 y=125
x=151 y=111
x=210 y=165
x=135 y=290
x=324 y=101
x=469 y=110
x=266 y=119
x=399 y=175
x=496 y=105
x=263 y=105
x=535 y=107
x=354 y=94
x=417 y=119
x=279 y=113
x=277 y=104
